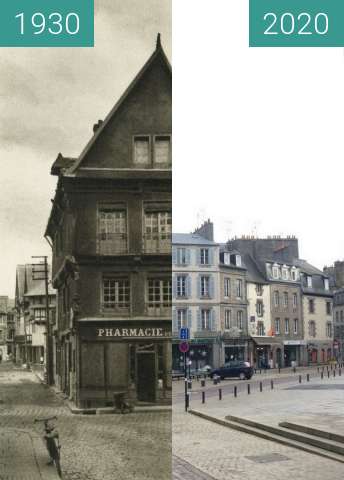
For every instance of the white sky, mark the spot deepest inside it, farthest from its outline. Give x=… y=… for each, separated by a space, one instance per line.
x=258 y=133
x=49 y=101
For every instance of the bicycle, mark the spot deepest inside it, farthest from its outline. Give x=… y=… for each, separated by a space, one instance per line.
x=52 y=442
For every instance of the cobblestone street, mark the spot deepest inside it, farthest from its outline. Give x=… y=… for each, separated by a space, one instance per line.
x=94 y=447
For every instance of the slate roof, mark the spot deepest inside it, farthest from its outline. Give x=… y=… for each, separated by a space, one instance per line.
x=309 y=269
x=62 y=164
x=190 y=239
x=39 y=289
x=253 y=273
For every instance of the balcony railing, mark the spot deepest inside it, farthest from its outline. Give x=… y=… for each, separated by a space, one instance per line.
x=159 y=310
x=157 y=244
x=112 y=243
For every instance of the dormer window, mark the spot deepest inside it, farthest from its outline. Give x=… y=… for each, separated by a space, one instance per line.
x=285 y=273
x=326 y=284
x=152 y=151
x=293 y=274
x=226 y=258
x=309 y=281
x=275 y=271
x=238 y=260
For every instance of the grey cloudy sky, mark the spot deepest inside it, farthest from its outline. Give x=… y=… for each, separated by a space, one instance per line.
x=49 y=101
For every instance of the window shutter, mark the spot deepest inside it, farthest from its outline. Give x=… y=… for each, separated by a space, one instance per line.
x=213 y=320
x=199 y=286
x=199 y=322
x=187 y=256
x=211 y=256
x=174 y=286
x=211 y=287
x=174 y=255
x=188 y=286
x=174 y=320
x=189 y=319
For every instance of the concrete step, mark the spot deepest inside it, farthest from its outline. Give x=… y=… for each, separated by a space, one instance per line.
x=309 y=439
x=313 y=431
x=268 y=434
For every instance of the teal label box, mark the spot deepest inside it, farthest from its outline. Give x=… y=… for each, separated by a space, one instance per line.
x=47 y=23
x=296 y=23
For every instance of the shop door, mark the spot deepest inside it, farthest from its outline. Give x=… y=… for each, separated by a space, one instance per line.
x=146 y=376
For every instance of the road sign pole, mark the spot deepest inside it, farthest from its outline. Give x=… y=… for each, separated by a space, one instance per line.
x=186 y=383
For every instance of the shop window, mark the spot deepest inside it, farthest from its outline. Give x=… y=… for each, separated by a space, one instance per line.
x=116 y=293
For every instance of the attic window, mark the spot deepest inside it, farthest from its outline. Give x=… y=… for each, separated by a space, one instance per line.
x=162 y=149
x=141 y=150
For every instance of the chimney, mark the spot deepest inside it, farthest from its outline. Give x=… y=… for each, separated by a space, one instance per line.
x=96 y=126
x=206 y=230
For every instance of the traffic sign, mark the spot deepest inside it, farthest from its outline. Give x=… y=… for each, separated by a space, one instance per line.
x=184 y=333
x=184 y=347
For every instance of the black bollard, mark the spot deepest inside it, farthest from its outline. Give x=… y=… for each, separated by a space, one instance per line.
x=261 y=386
x=279 y=369
x=235 y=392
x=307 y=377
x=322 y=375
x=334 y=373
x=328 y=373
x=300 y=379
x=203 y=397
x=220 y=394
x=248 y=389
x=340 y=372
x=272 y=384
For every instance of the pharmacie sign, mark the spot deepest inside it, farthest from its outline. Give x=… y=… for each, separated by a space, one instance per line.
x=150 y=332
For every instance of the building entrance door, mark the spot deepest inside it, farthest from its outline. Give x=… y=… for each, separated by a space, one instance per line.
x=146 y=376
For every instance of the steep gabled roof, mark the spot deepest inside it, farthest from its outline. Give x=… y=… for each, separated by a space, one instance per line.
x=190 y=239
x=158 y=53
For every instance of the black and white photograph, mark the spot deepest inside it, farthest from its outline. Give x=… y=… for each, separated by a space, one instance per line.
x=86 y=223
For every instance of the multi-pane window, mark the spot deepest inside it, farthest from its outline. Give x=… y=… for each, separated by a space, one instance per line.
x=260 y=329
x=206 y=319
x=227 y=319
x=311 y=306
x=158 y=230
x=294 y=300
x=312 y=331
x=285 y=298
x=239 y=288
x=205 y=286
x=309 y=281
x=181 y=318
x=329 y=330
x=227 y=287
x=275 y=271
x=259 y=306
x=296 y=326
x=277 y=326
x=181 y=286
x=159 y=293
x=142 y=150
x=204 y=255
x=328 y=308
x=285 y=273
x=286 y=326
x=276 y=298
x=259 y=289
x=182 y=256
x=293 y=273
x=240 y=318
x=162 y=150
x=116 y=293
x=112 y=231
x=40 y=314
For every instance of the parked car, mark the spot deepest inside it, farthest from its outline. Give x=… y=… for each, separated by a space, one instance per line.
x=240 y=369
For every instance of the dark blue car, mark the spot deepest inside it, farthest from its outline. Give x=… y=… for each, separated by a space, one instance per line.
x=233 y=369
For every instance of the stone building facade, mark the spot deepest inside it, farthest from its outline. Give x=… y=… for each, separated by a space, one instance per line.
x=110 y=229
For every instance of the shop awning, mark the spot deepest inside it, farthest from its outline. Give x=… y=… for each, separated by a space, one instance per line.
x=267 y=341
